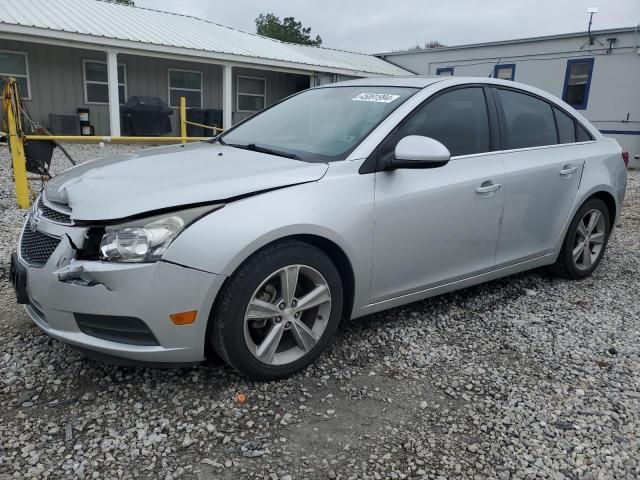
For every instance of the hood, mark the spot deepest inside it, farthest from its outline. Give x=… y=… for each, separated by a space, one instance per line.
x=124 y=185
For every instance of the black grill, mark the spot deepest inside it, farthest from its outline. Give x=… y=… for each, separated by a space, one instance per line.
x=53 y=215
x=36 y=247
x=129 y=330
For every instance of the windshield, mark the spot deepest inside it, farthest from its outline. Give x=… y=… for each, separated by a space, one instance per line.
x=318 y=125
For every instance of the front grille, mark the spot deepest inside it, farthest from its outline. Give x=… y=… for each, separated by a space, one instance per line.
x=51 y=214
x=129 y=330
x=36 y=247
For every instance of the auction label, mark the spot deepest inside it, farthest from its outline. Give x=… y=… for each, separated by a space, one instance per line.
x=376 y=97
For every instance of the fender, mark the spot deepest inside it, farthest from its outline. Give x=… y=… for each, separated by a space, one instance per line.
x=602 y=172
x=221 y=241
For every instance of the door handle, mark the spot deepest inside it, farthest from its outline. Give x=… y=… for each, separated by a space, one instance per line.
x=490 y=188
x=568 y=170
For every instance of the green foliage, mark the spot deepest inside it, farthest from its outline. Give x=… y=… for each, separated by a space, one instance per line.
x=287 y=30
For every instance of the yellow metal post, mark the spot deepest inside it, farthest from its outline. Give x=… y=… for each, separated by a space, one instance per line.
x=17 y=147
x=183 y=119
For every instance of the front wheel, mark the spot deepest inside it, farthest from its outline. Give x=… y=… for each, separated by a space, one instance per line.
x=586 y=241
x=278 y=311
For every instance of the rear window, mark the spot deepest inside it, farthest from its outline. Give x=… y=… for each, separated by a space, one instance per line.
x=529 y=120
x=583 y=134
x=566 y=127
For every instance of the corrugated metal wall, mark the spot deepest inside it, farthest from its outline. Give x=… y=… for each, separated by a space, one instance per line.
x=56 y=82
x=279 y=85
x=55 y=78
x=150 y=77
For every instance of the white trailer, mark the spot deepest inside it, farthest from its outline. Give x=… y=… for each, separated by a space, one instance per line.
x=598 y=73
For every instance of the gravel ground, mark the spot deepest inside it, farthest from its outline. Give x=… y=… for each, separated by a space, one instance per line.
x=526 y=377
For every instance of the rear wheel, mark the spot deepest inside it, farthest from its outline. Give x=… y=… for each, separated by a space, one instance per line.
x=586 y=241
x=278 y=311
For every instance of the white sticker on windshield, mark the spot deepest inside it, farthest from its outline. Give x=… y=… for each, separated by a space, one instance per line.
x=376 y=97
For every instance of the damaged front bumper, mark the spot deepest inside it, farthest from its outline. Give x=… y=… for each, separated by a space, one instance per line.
x=118 y=309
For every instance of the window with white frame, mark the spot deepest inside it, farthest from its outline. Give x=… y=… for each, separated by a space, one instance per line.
x=252 y=94
x=187 y=84
x=96 y=82
x=14 y=64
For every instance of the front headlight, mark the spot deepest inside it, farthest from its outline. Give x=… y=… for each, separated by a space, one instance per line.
x=146 y=240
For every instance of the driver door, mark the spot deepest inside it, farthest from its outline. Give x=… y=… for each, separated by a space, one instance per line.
x=437 y=225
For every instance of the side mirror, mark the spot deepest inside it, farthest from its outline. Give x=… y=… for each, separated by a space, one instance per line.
x=415 y=151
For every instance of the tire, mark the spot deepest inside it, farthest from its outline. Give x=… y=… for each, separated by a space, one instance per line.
x=567 y=266
x=238 y=332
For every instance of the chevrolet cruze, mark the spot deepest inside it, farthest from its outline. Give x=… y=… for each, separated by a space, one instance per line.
x=335 y=203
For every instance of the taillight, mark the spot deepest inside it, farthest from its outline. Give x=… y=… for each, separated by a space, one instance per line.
x=625 y=158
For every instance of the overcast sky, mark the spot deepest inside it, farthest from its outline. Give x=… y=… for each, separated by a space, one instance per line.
x=372 y=26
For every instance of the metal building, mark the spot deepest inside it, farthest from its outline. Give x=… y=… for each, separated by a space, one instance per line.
x=70 y=54
x=597 y=73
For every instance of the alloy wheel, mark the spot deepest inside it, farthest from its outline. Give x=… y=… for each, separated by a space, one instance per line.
x=287 y=315
x=589 y=239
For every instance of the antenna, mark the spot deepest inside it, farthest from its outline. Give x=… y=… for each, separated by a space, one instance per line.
x=494 y=67
x=591 y=11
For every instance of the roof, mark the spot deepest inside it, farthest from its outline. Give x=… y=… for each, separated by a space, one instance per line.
x=513 y=41
x=104 y=24
x=423 y=81
x=414 y=81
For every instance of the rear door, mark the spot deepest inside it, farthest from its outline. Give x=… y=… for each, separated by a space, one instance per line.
x=544 y=165
x=433 y=226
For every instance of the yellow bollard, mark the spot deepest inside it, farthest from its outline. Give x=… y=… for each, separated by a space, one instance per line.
x=183 y=119
x=17 y=153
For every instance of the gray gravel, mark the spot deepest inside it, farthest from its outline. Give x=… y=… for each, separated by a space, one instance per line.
x=528 y=377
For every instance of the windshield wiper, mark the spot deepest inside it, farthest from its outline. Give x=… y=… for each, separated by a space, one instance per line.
x=269 y=151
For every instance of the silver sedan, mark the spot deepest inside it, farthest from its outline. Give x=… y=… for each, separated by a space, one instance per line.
x=338 y=202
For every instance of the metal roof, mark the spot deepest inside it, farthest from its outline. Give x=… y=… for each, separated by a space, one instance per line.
x=107 y=24
x=513 y=41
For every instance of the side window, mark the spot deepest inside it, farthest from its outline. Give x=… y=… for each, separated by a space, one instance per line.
x=458 y=119
x=566 y=127
x=583 y=134
x=529 y=121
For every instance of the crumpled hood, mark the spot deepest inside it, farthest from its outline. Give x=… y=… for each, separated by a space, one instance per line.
x=120 y=186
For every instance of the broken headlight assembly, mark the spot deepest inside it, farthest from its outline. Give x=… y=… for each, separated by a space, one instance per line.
x=147 y=239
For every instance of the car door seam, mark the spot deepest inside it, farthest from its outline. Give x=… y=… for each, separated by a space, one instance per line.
x=373 y=237
x=504 y=206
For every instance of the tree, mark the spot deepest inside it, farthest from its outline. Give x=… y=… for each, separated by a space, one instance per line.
x=287 y=30
x=425 y=46
x=130 y=3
